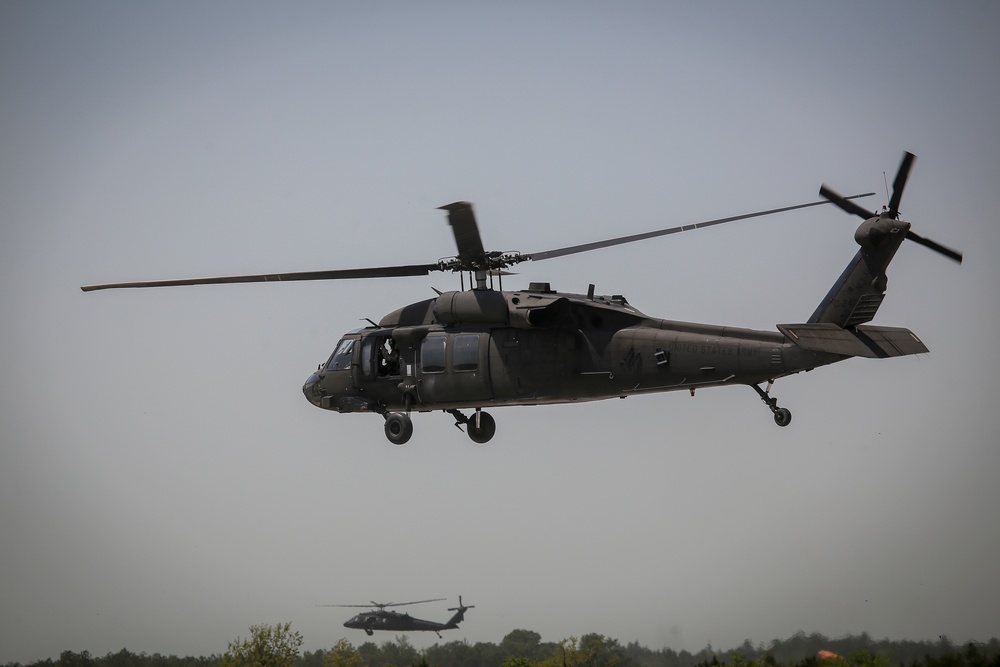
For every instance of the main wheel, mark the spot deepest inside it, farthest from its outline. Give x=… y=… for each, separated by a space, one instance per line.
x=398 y=428
x=487 y=428
x=782 y=416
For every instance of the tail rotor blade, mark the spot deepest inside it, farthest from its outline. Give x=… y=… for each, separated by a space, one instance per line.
x=844 y=203
x=900 y=182
x=935 y=246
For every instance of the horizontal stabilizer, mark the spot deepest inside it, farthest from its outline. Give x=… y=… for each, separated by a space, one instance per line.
x=863 y=341
x=891 y=341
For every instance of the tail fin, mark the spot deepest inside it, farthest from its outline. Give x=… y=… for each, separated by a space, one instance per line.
x=459 y=614
x=836 y=325
x=855 y=297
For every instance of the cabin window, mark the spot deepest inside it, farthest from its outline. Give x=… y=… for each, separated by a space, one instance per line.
x=341 y=358
x=432 y=354
x=465 y=355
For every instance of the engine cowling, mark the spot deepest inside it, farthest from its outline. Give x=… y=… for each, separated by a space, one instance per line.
x=472 y=306
x=520 y=310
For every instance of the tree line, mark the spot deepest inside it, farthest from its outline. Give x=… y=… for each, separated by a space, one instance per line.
x=278 y=646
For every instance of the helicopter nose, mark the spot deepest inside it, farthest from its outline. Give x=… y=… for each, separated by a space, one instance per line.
x=312 y=391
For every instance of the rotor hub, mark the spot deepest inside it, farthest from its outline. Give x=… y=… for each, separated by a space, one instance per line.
x=872 y=232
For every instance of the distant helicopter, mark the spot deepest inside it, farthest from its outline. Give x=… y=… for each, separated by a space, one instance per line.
x=483 y=347
x=382 y=619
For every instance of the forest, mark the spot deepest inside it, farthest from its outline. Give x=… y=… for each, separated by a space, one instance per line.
x=278 y=646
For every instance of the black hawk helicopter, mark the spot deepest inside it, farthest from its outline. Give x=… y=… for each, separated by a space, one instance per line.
x=382 y=619
x=484 y=347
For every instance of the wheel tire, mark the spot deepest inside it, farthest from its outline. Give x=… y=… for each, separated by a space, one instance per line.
x=487 y=428
x=398 y=428
x=782 y=416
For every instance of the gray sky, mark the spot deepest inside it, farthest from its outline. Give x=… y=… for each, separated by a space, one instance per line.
x=163 y=482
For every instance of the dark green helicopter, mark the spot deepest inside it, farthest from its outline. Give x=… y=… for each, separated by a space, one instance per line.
x=380 y=618
x=483 y=347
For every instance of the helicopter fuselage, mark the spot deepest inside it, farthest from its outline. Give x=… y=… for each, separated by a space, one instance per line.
x=393 y=621
x=482 y=348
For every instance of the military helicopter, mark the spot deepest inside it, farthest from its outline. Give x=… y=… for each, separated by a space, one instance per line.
x=382 y=619
x=484 y=347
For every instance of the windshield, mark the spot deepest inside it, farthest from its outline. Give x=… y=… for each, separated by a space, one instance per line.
x=341 y=358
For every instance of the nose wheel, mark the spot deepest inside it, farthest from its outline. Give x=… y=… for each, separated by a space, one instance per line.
x=782 y=416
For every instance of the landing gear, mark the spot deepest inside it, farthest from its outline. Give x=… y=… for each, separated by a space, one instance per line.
x=782 y=416
x=484 y=430
x=398 y=428
x=481 y=427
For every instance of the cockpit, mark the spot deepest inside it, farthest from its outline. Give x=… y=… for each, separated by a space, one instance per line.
x=363 y=373
x=341 y=358
x=330 y=386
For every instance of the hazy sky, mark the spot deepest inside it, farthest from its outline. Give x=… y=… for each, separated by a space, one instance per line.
x=163 y=482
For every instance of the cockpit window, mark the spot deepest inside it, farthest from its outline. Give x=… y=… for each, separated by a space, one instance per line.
x=341 y=358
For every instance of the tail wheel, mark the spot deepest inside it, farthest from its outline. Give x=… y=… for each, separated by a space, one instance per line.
x=782 y=416
x=398 y=428
x=485 y=431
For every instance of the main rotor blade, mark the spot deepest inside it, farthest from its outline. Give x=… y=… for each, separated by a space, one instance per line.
x=849 y=206
x=900 y=182
x=366 y=606
x=403 y=604
x=463 y=225
x=584 y=247
x=381 y=605
x=935 y=246
x=338 y=274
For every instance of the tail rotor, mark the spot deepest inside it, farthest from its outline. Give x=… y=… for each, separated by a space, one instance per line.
x=877 y=225
x=459 y=612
